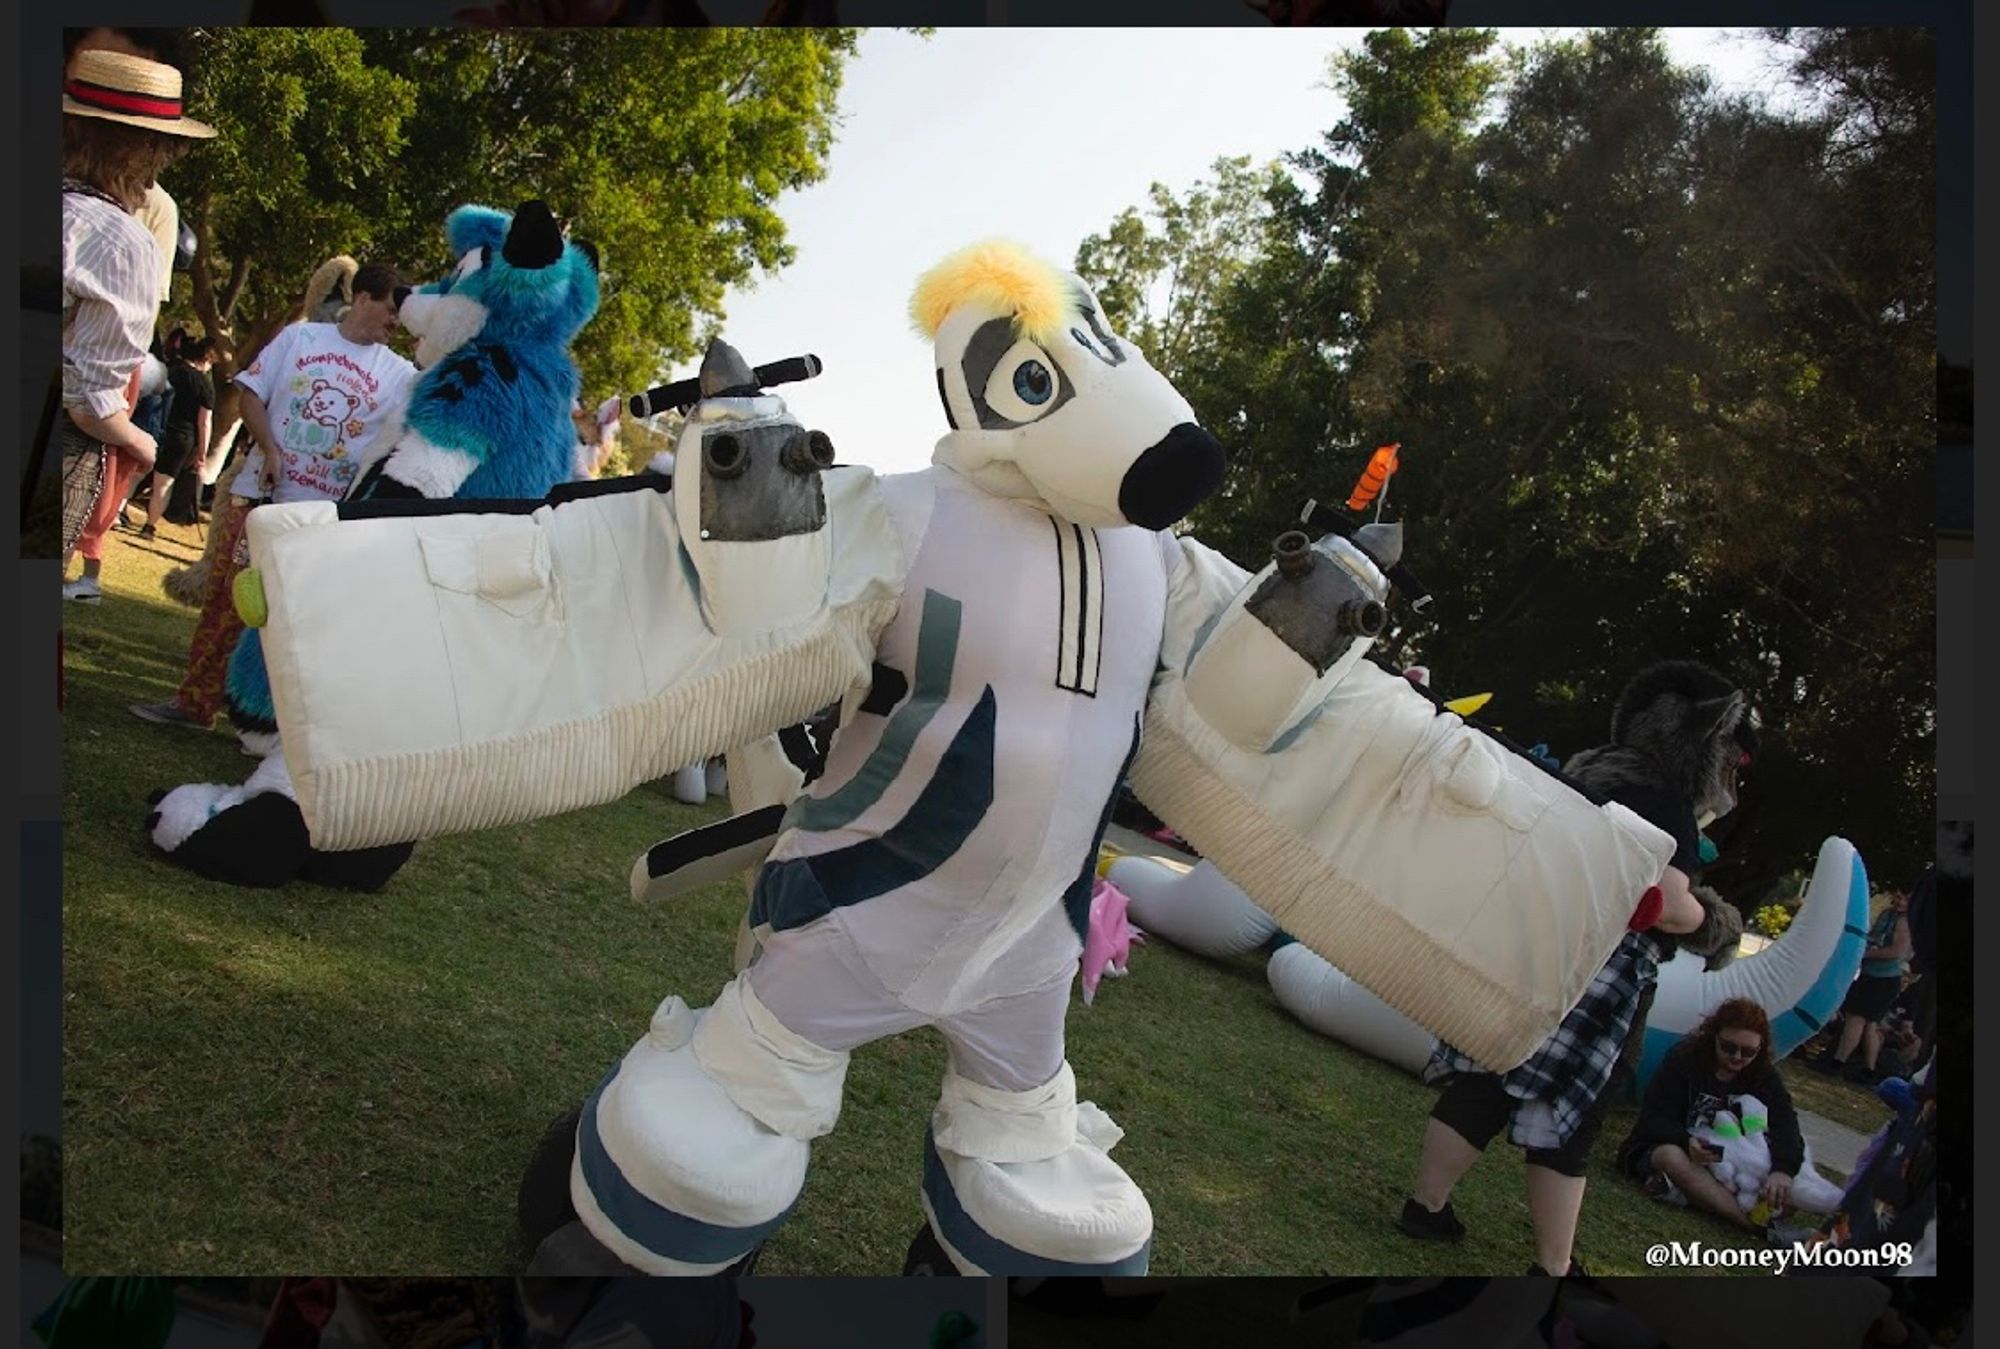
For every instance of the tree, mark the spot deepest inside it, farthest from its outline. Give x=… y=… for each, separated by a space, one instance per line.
x=1195 y=248
x=306 y=127
x=1660 y=366
x=668 y=149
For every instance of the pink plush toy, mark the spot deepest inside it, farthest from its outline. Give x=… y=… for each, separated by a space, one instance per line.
x=1108 y=942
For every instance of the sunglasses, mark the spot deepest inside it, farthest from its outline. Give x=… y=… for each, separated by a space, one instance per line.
x=1737 y=1050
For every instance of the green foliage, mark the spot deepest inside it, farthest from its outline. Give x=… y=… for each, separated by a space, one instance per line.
x=1662 y=366
x=667 y=148
x=307 y=132
x=1772 y=920
x=1197 y=245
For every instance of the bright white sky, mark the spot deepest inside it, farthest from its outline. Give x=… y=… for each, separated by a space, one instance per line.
x=1042 y=136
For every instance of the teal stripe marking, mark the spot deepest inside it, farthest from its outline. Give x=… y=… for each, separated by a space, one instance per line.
x=1823 y=999
x=937 y=652
x=992 y=1254
x=648 y=1222
x=801 y=890
x=1201 y=637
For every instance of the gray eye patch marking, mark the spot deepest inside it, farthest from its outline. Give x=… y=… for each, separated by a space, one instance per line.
x=983 y=350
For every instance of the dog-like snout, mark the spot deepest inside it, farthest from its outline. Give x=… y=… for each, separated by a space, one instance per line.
x=1172 y=477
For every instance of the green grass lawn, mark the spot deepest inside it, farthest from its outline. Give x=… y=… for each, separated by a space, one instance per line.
x=310 y=1081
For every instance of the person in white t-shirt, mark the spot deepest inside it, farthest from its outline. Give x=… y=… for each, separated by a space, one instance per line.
x=320 y=402
x=323 y=400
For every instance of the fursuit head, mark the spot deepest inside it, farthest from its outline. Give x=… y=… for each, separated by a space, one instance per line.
x=1678 y=724
x=489 y=416
x=1046 y=403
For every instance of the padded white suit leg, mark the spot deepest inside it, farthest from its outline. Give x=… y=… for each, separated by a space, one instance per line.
x=1021 y=1183
x=672 y=1174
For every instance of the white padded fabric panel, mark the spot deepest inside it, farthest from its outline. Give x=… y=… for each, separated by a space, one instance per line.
x=1461 y=884
x=974 y=1120
x=440 y=674
x=677 y=1138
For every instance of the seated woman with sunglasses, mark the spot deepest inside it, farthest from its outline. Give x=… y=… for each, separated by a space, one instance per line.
x=1726 y=1058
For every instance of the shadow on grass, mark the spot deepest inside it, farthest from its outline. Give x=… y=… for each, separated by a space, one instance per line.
x=311 y=1079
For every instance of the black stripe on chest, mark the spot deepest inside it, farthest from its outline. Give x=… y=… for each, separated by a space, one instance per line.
x=1079 y=608
x=469 y=367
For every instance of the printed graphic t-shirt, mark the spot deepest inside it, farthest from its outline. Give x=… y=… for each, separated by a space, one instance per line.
x=330 y=401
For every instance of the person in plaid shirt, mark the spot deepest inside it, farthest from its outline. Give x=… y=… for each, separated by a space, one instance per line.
x=1679 y=737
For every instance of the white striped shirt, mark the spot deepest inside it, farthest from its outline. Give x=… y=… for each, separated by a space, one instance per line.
x=110 y=301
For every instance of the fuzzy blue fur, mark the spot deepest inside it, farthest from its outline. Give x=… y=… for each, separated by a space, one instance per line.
x=248 y=685
x=469 y=227
x=520 y=429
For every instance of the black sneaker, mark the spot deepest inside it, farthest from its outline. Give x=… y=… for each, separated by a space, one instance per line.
x=170 y=713
x=1419 y=1222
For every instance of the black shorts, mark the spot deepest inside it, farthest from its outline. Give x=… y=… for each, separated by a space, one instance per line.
x=1872 y=995
x=1476 y=1106
x=173 y=454
x=1634 y=1158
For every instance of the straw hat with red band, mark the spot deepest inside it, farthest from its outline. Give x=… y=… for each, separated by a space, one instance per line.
x=129 y=89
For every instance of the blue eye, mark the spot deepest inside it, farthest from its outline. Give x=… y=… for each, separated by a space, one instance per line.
x=1033 y=384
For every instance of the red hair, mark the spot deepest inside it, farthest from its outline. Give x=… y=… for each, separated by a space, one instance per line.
x=1736 y=1014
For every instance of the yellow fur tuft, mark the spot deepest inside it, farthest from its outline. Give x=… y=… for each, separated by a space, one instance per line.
x=1000 y=275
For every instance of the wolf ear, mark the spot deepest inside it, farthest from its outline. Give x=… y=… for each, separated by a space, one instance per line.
x=1718 y=716
x=589 y=250
x=534 y=239
x=469 y=227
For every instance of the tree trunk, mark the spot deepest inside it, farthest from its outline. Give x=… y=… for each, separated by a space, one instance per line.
x=204 y=283
x=239 y=274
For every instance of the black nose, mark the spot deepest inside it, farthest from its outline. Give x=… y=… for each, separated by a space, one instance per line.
x=401 y=294
x=1171 y=478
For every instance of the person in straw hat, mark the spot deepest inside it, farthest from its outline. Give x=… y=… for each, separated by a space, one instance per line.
x=123 y=123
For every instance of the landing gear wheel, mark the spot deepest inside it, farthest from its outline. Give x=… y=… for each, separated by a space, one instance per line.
x=542 y=1205
x=926 y=1257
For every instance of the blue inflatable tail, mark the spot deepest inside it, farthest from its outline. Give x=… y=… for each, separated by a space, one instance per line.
x=1803 y=1019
